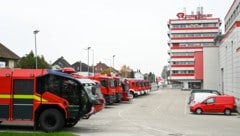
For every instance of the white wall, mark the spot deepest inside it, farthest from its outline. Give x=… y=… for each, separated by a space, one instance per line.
x=11 y=64
x=210 y=68
x=230 y=65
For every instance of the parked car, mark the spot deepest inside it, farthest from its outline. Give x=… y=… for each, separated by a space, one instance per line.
x=202 y=91
x=199 y=97
x=206 y=91
x=215 y=104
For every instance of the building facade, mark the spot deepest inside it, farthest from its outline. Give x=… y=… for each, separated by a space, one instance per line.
x=188 y=36
x=229 y=52
x=8 y=59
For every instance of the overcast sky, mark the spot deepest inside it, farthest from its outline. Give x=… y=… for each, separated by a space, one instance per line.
x=133 y=30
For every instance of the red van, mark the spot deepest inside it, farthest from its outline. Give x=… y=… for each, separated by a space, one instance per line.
x=215 y=104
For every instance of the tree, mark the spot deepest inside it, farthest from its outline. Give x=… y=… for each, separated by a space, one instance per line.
x=151 y=77
x=131 y=74
x=106 y=71
x=29 y=61
x=165 y=73
x=125 y=71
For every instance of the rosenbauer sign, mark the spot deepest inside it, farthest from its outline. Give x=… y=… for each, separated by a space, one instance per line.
x=182 y=15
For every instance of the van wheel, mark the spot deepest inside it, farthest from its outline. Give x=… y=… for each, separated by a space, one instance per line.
x=227 y=112
x=198 y=111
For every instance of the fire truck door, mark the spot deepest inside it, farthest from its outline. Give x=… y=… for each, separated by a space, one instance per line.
x=23 y=99
x=5 y=89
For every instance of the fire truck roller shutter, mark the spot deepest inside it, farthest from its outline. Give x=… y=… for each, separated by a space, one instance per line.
x=23 y=99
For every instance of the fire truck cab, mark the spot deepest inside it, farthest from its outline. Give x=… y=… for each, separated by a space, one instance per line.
x=49 y=99
x=118 y=88
x=93 y=89
x=107 y=87
x=126 y=95
x=134 y=87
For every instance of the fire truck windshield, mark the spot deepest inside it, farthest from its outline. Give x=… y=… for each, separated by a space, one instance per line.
x=111 y=84
x=61 y=86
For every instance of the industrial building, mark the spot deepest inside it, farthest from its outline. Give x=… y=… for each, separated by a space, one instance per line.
x=229 y=53
x=193 y=52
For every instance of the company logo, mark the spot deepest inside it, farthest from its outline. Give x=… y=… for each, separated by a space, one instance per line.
x=180 y=15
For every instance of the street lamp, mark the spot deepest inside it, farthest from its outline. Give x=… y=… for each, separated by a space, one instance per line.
x=35 y=38
x=93 y=69
x=88 y=59
x=113 y=60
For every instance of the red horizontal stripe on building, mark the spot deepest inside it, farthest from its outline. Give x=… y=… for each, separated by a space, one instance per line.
x=195 y=28
x=191 y=38
x=188 y=47
x=182 y=65
x=182 y=56
x=182 y=74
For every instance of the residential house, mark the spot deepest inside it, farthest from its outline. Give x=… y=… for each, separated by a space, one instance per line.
x=60 y=63
x=8 y=59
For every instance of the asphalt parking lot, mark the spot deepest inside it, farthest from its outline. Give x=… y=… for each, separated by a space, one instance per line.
x=160 y=113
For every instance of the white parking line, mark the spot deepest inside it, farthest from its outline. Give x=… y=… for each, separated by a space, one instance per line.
x=139 y=125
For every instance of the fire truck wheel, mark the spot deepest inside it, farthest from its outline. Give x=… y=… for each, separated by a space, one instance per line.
x=51 y=120
x=132 y=93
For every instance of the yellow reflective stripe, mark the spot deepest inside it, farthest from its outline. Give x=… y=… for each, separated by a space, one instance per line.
x=39 y=98
x=22 y=96
x=5 y=96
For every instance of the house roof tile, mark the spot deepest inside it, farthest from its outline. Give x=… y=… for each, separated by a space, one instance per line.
x=7 y=53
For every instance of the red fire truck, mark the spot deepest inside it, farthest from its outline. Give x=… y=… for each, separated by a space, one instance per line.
x=126 y=96
x=119 y=89
x=107 y=87
x=147 y=85
x=47 y=98
x=134 y=87
x=101 y=101
x=93 y=89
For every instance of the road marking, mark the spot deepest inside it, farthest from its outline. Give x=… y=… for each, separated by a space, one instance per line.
x=139 y=125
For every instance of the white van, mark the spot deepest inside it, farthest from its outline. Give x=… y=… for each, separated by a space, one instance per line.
x=199 y=97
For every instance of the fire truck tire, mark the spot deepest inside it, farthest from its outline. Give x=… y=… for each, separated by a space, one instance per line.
x=51 y=120
x=132 y=93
